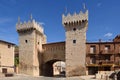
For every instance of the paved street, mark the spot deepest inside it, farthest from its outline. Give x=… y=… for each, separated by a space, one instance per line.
x=38 y=78
x=26 y=77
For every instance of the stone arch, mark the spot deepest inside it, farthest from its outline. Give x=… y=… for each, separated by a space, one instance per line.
x=59 y=69
x=48 y=67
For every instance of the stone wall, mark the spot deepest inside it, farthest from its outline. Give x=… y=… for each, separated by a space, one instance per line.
x=6 y=56
x=31 y=38
x=54 y=51
x=75 y=26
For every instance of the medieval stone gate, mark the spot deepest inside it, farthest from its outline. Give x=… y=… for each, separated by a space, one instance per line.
x=36 y=57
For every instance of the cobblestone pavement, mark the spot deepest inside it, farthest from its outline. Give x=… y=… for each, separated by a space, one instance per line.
x=26 y=77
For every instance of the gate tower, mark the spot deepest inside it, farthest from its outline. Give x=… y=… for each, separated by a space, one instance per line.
x=75 y=29
x=31 y=38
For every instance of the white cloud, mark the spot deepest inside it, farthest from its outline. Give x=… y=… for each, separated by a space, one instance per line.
x=41 y=23
x=99 y=4
x=4 y=20
x=108 y=35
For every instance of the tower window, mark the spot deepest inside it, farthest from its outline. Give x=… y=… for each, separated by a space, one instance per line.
x=26 y=41
x=38 y=42
x=74 y=29
x=74 y=41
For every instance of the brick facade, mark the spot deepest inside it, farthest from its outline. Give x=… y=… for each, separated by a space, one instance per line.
x=104 y=56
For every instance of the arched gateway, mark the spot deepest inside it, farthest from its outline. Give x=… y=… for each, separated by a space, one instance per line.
x=36 y=57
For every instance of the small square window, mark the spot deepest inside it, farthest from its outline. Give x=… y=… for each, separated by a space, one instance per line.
x=74 y=29
x=92 y=49
x=74 y=41
x=107 y=47
x=26 y=41
x=9 y=46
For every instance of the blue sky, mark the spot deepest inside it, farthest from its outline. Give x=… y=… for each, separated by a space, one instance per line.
x=104 y=17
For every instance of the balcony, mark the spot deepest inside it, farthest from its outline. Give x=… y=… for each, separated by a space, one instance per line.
x=102 y=52
x=91 y=53
x=106 y=62
x=107 y=52
x=117 y=63
x=118 y=52
x=100 y=63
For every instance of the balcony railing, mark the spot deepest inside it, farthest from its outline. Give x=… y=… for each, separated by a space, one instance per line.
x=107 y=52
x=91 y=53
x=117 y=63
x=100 y=63
x=101 y=52
x=106 y=62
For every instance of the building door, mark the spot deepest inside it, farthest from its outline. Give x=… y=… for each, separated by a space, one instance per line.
x=106 y=68
x=4 y=70
x=92 y=70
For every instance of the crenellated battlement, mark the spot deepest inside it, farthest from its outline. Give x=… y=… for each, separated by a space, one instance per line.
x=29 y=26
x=75 y=18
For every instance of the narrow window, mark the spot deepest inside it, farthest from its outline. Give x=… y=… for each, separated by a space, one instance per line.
x=74 y=41
x=107 y=48
x=26 y=41
x=92 y=49
x=74 y=29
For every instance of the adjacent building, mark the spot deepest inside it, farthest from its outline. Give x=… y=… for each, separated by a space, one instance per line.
x=6 y=57
x=103 y=56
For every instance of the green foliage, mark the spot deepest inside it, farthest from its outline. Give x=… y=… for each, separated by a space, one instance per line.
x=16 y=61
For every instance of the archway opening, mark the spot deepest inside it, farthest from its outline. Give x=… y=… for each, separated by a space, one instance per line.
x=54 y=68
x=59 y=69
